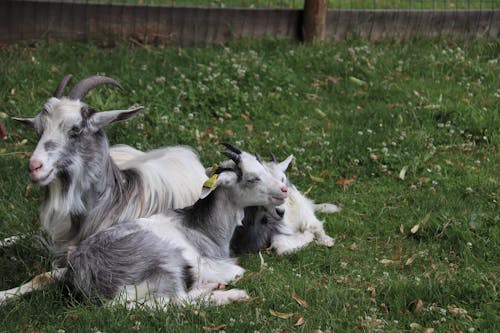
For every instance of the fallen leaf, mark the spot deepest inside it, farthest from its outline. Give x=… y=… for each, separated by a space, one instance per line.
x=316 y=179
x=212 y=328
x=414 y=229
x=387 y=261
x=250 y=128
x=428 y=330
x=374 y=157
x=299 y=300
x=345 y=181
x=353 y=247
x=417 y=305
x=357 y=81
x=410 y=260
x=455 y=311
x=300 y=321
x=206 y=132
x=402 y=229
x=402 y=173
x=456 y=328
x=245 y=116
x=281 y=315
x=229 y=132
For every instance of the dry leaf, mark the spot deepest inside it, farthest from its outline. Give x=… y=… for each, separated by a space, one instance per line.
x=212 y=328
x=402 y=229
x=429 y=330
x=245 y=116
x=250 y=128
x=228 y=132
x=374 y=157
x=316 y=179
x=281 y=315
x=402 y=173
x=299 y=321
x=299 y=300
x=456 y=311
x=386 y=262
x=456 y=328
x=417 y=305
x=410 y=260
x=353 y=247
x=27 y=190
x=345 y=181
x=415 y=228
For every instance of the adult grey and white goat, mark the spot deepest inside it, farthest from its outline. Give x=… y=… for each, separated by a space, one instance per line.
x=286 y=228
x=87 y=192
x=182 y=255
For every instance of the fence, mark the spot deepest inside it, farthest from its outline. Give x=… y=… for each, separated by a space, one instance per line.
x=105 y=21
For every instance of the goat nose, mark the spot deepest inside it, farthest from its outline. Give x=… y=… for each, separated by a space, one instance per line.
x=35 y=165
x=284 y=189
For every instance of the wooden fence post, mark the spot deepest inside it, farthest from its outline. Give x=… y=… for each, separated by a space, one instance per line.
x=314 y=20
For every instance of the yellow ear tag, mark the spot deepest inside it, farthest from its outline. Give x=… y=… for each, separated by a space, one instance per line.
x=210 y=182
x=214 y=168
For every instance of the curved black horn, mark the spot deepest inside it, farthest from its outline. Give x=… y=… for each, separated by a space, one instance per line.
x=232 y=148
x=258 y=158
x=235 y=157
x=62 y=84
x=273 y=158
x=84 y=86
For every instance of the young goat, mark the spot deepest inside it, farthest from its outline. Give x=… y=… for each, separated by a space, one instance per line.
x=87 y=192
x=182 y=255
x=286 y=228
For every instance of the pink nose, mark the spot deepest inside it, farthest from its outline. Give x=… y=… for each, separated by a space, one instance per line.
x=34 y=166
x=284 y=189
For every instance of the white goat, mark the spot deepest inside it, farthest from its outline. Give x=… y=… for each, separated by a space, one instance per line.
x=87 y=192
x=286 y=228
x=182 y=255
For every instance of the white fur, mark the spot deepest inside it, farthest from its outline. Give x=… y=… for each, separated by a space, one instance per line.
x=300 y=219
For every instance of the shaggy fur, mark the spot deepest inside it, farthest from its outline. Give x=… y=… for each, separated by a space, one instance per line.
x=181 y=255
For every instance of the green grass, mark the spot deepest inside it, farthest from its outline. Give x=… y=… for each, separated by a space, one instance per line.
x=345 y=110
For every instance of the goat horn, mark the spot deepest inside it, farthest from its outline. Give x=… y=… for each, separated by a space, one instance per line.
x=235 y=157
x=273 y=158
x=258 y=158
x=232 y=148
x=84 y=86
x=60 y=88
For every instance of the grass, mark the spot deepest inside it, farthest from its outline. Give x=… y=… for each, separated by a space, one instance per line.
x=403 y=136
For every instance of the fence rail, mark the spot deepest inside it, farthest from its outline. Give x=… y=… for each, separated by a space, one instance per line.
x=32 y=20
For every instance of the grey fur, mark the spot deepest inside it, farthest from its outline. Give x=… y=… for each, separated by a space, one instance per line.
x=127 y=255
x=258 y=227
x=142 y=252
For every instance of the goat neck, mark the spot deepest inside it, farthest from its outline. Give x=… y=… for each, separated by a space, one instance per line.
x=216 y=217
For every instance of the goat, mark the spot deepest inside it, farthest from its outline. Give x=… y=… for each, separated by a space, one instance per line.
x=87 y=192
x=182 y=255
x=286 y=228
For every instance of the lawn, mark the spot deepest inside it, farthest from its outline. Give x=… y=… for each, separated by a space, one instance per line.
x=404 y=137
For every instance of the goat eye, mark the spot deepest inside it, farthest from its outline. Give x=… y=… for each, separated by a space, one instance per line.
x=254 y=180
x=74 y=131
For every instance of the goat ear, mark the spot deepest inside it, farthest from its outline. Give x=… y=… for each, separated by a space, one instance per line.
x=220 y=179
x=101 y=119
x=26 y=121
x=284 y=165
